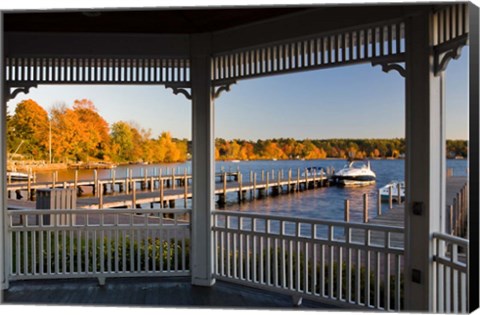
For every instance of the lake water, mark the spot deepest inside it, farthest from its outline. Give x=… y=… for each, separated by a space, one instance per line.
x=323 y=203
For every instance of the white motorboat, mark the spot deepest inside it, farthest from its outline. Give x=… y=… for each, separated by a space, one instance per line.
x=385 y=191
x=355 y=173
x=17 y=176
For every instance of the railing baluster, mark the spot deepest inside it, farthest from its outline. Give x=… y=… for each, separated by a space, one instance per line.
x=34 y=253
x=313 y=281
x=348 y=287
x=358 y=288
x=241 y=246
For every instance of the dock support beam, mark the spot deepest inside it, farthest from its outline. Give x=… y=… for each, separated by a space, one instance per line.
x=425 y=163
x=203 y=161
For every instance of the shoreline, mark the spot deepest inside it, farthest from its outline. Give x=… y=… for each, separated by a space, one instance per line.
x=42 y=166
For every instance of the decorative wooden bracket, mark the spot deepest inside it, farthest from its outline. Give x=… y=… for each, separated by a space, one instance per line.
x=182 y=89
x=224 y=87
x=388 y=66
x=10 y=95
x=445 y=52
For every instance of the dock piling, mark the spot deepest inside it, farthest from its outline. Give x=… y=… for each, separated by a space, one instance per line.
x=390 y=197
x=379 y=202
x=365 y=208
x=185 y=180
x=95 y=183
x=75 y=180
x=112 y=175
x=347 y=210
x=399 y=194
x=100 y=196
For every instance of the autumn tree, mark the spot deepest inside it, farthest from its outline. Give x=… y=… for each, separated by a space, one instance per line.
x=94 y=127
x=29 y=130
x=121 y=141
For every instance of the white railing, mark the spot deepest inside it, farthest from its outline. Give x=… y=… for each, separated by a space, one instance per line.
x=98 y=243
x=302 y=258
x=450 y=258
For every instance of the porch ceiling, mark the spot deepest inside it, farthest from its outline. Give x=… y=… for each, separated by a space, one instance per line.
x=165 y=32
x=157 y=21
x=200 y=20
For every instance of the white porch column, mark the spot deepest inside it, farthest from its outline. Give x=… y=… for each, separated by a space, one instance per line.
x=3 y=168
x=203 y=161
x=425 y=163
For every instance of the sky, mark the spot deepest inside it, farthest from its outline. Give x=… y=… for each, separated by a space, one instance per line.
x=357 y=101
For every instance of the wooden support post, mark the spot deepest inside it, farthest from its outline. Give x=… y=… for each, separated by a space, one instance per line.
x=225 y=186
x=298 y=179
x=289 y=180
x=306 y=179
x=174 y=184
x=450 y=215
x=266 y=185
x=399 y=193
x=240 y=188
x=100 y=196
x=152 y=184
x=75 y=180
x=112 y=175
x=160 y=184
x=347 y=211
x=29 y=186
x=314 y=177
x=449 y=172
x=254 y=185
x=365 y=208
x=95 y=183
x=132 y=182
x=134 y=196
x=379 y=202
x=145 y=178
x=390 y=197
x=278 y=182
x=54 y=179
x=185 y=191
x=263 y=175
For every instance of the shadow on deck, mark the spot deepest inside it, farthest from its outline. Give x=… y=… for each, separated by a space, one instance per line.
x=148 y=292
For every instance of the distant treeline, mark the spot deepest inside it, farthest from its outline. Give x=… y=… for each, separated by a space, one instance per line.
x=319 y=149
x=81 y=134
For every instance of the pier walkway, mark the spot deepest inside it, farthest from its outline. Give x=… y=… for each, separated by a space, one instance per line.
x=167 y=195
x=396 y=215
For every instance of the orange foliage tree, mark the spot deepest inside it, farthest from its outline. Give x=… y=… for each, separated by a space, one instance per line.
x=29 y=130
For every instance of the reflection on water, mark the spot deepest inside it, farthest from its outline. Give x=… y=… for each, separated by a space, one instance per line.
x=323 y=203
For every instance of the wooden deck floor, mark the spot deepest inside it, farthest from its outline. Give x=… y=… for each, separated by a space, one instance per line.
x=149 y=292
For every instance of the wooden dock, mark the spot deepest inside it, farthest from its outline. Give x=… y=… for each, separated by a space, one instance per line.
x=112 y=184
x=167 y=192
x=396 y=215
